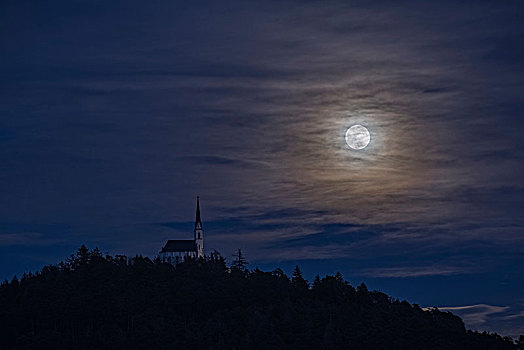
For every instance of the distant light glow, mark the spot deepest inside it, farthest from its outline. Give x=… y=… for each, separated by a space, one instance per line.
x=357 y=137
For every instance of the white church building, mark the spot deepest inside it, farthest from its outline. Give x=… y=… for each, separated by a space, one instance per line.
x=175 y=250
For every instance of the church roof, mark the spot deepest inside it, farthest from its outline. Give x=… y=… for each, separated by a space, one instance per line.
x=180 y=245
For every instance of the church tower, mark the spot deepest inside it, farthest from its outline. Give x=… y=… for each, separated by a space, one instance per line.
x=176 y=250
x=199 y=234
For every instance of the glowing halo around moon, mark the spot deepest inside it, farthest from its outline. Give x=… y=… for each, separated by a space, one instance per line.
x=357 y=137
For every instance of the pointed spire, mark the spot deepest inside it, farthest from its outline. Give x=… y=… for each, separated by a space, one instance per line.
x=198 y=221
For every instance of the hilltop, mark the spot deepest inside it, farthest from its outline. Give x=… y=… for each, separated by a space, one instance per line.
x=91 y=301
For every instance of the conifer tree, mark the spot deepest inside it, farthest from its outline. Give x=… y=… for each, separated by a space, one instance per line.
x=297 y=280
x=240 y=261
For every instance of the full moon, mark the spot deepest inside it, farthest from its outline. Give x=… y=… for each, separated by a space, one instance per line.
x=357 y=137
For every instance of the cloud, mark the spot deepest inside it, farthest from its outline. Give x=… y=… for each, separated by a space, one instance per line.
x=211 y=160
x=27 y=239
x=267 y=118
x=475 y=315
x=517 y=315
x=406 y=272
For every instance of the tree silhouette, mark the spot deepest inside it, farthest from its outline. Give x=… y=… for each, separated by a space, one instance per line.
x=297 y=280
x=240 y=261
x=520 y=342
x=92 y=301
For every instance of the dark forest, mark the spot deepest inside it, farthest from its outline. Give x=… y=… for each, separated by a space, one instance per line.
x=92 y=301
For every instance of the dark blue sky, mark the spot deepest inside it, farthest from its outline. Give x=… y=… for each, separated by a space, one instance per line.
x=115 y=115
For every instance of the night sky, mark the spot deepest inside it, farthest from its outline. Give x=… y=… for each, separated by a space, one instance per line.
x=115 y=115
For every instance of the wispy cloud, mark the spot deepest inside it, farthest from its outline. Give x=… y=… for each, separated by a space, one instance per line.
x=27 y=238
x=511 y=317
x=475 y=315
x=413 y=271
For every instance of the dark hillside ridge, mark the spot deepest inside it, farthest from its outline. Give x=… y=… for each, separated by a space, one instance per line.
x=96 y=302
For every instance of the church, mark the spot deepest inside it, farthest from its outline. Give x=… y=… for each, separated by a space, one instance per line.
x=175 y=250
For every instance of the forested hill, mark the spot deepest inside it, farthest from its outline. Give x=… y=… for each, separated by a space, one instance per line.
x=96 y=302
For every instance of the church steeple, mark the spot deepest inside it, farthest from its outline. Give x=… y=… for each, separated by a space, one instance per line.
x=199 y=234
x=198 y=221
